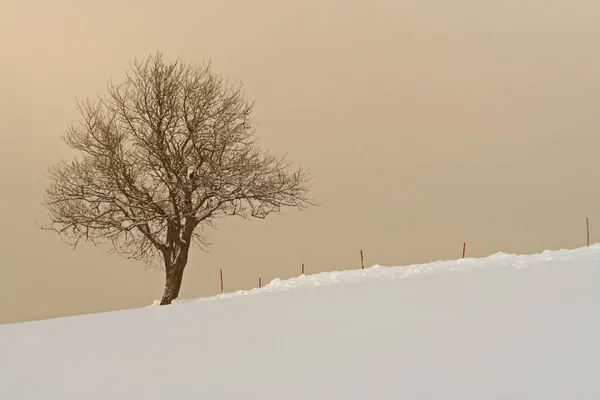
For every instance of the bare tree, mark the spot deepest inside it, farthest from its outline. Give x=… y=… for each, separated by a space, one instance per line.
x=166 y=153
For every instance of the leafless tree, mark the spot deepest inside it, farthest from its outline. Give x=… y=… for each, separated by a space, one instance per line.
x=161 y=157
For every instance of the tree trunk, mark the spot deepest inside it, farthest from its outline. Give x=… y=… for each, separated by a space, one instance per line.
x=174 y=277
x=175 y=261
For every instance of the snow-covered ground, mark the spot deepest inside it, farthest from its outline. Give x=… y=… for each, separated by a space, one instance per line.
x=502 y=327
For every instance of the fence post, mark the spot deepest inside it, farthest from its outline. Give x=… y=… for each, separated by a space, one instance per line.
x=587 y=228
x=302 y=268
x=259 y=282
x=464 y=249
x=362 y=260
x=222 y=287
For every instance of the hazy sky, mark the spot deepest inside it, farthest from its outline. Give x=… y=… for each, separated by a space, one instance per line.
x=426 y=123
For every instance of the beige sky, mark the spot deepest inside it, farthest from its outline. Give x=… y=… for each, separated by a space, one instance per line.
x=426 y=123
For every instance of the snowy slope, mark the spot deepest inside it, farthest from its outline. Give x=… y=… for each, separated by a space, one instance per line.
x=503 y=327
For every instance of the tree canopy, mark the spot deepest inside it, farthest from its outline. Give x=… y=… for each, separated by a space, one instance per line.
x=161 y=157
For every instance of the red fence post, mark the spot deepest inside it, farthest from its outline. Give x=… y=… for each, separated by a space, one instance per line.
x=464 y=249
x=259 y=282
x=302 y=268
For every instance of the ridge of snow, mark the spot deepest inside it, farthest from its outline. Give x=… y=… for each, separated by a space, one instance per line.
x=381 y=272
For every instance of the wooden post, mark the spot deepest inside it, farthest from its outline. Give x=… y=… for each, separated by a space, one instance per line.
x=259 y=282
x=464 y=249
x=302 y=268
x=222 y=288
x=587 y=228
x=362 y=260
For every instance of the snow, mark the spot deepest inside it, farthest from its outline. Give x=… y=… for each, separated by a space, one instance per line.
x=502 y=327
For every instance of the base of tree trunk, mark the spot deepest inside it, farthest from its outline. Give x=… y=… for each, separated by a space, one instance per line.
x=172 y=286
x=165 y=301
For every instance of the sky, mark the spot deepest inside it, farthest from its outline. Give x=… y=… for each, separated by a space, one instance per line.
x=425 y=124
